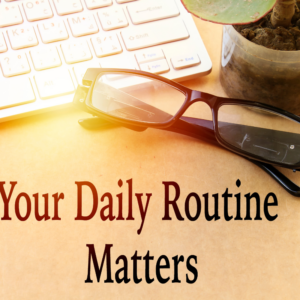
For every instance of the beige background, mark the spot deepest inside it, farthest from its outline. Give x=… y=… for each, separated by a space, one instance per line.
x=48 y=260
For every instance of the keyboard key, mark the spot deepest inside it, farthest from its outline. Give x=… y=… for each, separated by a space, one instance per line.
x=152 y=34
x=76 y=52
x=37 y=10
x=149 y=55
x=92 y=4
x=112 y=18
x=106 y=45
x=66 y=7
x=83 y=25
x=53 y=31
x=22 y=38
x=185 y=61
x=16 y=91
x=152 y=10
x=14 y=64
x=45 y=58
x=3 y=46
x=156 y=67
x=10 y=14
x=54 y=83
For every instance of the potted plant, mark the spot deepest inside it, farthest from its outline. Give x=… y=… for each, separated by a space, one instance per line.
x=260 y=48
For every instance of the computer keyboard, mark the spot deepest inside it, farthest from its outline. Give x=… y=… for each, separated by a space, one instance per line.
x=47 y=45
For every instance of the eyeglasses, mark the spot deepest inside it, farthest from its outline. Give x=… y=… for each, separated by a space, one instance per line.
x=263 y=134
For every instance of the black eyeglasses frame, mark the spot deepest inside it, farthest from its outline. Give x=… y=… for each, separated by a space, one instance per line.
x=191 y=97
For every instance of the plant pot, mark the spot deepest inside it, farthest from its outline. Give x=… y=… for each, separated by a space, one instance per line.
x=253 y=72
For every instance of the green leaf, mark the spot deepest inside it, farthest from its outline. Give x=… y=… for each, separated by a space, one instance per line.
x=229 y=11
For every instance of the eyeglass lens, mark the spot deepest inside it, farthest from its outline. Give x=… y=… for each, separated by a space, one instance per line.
x=260 y=132
x=136 y=98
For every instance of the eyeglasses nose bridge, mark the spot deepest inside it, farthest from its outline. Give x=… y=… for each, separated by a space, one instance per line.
x=197 y=96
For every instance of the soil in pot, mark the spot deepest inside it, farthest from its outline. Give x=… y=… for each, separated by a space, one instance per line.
x=269 y=79
x=263 y=33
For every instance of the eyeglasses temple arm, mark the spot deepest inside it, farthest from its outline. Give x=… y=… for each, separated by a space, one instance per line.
x=285 y=182
x=203 y=130
x=197 y=128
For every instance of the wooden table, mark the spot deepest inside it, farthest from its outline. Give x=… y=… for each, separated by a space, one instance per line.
x=237 y=259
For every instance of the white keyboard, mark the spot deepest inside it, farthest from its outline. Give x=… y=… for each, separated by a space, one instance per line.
x=47 y=45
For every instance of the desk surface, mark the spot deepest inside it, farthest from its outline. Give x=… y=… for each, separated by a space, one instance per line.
x=48 y=260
